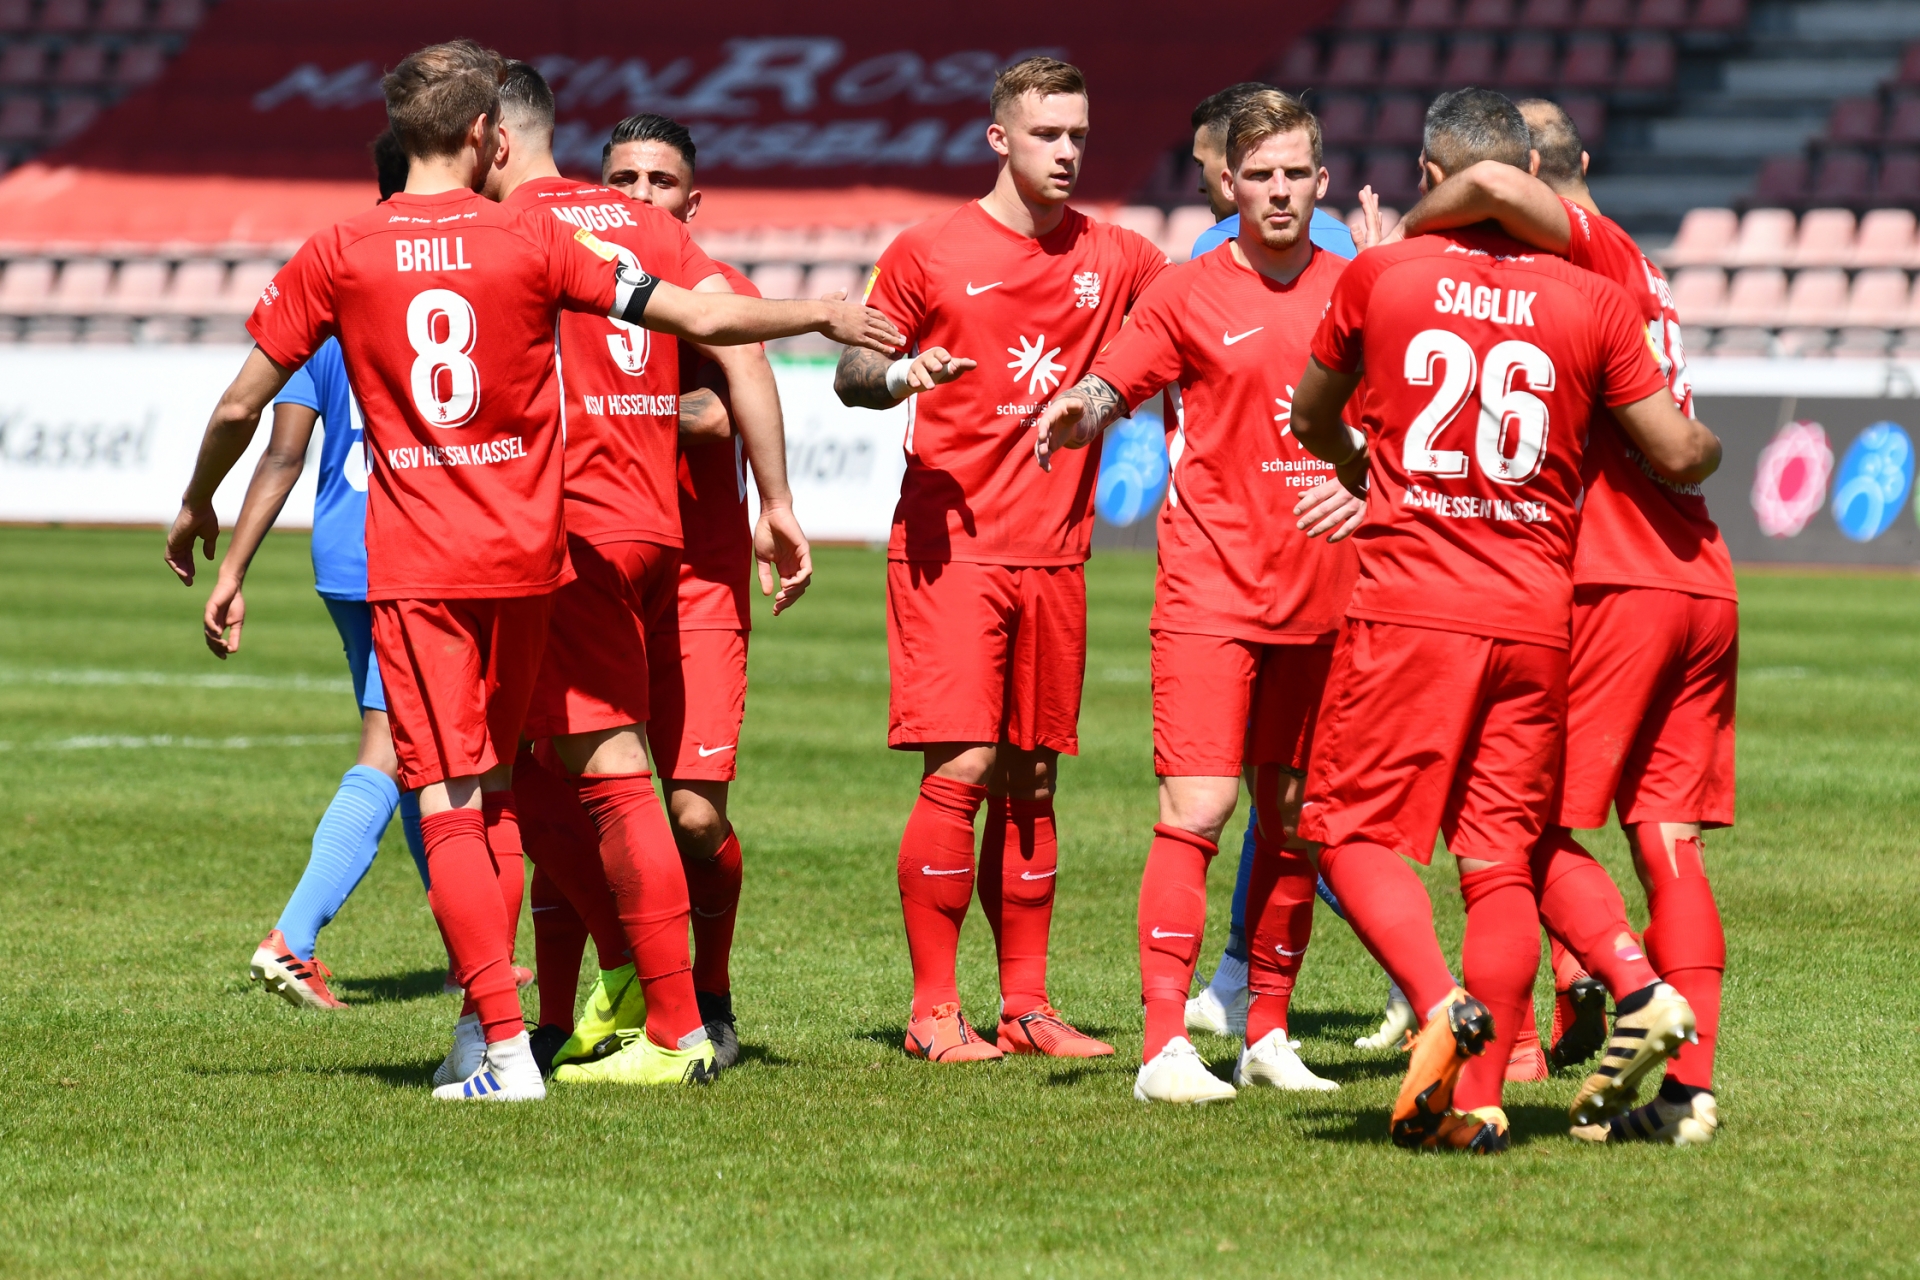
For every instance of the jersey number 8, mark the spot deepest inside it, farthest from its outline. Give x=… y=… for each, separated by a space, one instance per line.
x=1510 y=441
x=445 y=382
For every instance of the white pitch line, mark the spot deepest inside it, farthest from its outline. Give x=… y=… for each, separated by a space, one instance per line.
x=87 y=676
x=129 y=742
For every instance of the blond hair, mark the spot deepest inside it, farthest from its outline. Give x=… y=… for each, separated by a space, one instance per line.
x=436 y=93
x=1268 y=114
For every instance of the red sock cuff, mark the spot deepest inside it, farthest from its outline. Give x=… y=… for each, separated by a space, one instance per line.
x=437 y=828
x=1163 y=831
x=961 y=799
x=1023 y=810
x=1476 y=885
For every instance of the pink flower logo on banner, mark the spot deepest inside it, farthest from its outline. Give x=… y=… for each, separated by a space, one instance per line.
x=1790 y=484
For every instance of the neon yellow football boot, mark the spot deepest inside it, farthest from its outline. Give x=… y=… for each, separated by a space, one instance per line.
x=639 y=1061
x=614 y=1004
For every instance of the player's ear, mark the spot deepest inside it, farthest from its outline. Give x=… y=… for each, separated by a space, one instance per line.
x=1533 y=163
x=997 y=139
x=693 y=203
x=1321 y=182
x=1583 y=164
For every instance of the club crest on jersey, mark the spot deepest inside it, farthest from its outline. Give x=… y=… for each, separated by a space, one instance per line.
x=1086 y=289
x=1034 y=362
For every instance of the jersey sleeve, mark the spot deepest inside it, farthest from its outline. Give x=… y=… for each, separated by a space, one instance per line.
x=1338 y=342
x=1145 y=355
x=296 y=311
x=694 y=264
x=1629 y=370
x=1580 y=243
x=897 y=287
x=1149 y=260
x=581 y=267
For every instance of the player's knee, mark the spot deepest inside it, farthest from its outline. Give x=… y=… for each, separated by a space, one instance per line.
x=699 y=829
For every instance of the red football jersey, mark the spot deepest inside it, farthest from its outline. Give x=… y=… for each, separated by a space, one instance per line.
x=445 y=306
x=1231 y=561
x=965 y=282
x=621 y=382
x=1485 y=361
x=718 y=558
x=1636 y=529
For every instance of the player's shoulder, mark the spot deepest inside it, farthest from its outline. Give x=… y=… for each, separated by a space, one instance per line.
x=737 y=280
x=920 y=239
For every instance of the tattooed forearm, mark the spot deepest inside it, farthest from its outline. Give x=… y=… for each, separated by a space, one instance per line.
x=861 y=380
x=1104 y=405
x=703 y=416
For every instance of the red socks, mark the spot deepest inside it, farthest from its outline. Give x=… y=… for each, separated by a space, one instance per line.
x=1173 y=915
x=465 y=898
x=566 y=847
x=1498 y=962
x=1279 y=925
x=559 y=941
x=650 y=889
x=1581 y=906
x=1389 y=910
x=713 y=889
x=509 y=857
x=936 y=884
x=1684 y=941
x=1019 y=855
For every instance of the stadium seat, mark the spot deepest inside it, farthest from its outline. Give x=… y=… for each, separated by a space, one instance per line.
x=1782 y=180
x=15 y=15
x=245 y=284
x=139 y=288
x=1903 y=122
x=1413 y=63
x=1909 y=65
x=139 y=64
x=1817 y=298
x=1825 y=240
x=196 y=287
x=1185 y=224
x=1487 y=15
x=1142 y=219
x=1605 y=15
x=1802 y=343
x=1300 y=65
x=22 y=118
x=1886 y=239
x=1844 y=176
x=1371 y=15
x=1661 y=15
x=184 y=15
x=1354 y=64
x=108 y=331
x=1430 y=15
x=1745 y=342
x=1854 y=120
x=25 y=286
x=1720 y=15
x=1706 y=237
x=1399 y=121
x=1529 y=63
x=778 y=279
x=82 y=287
x=73 y=115
x=1649 y=63
x=1589 y=115
x=1551 y=15
x=1589 y=62
x=1343 y=180
x=1757 y=296
x=1878 y=300
x=1343 y=119
x=1700 y=295
x=121 y=15
x=24 y=62
x=1470 y=60
x=832 y=277
x=1899 y=181
x=1861 y=344
x=66 y=15
x=1766 y=239
x=1393 y=177
x=164 y=329
x=53 y=331
x=232 y=331
x=82 y=63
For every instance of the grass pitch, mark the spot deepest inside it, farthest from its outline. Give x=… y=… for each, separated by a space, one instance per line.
x=160 y=1116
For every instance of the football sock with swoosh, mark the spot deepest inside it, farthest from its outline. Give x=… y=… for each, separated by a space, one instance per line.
x=559 y=942
x=650 y=888
x=1498 y=959
x=936 y=885
x=1388 y=908
x=509 y=857
x=563 y=842
x=1685 y=942
x=713 y=888
x=466 y=903
x=1581 y=906
x=1019 y=860
x=1173 y=915
x=343 y=847
x=1280 y=907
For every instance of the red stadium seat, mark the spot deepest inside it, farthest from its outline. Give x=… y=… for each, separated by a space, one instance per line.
x=1487 y=15
x=1720 y=15
x=1343 y=178
x=1414 y=63
x=1758 y=296
x=1605 y=15
x=1371 y=15
x=1649 y=64
x=1430 y=15
x=121 y=15
x=249 y=280
x=1589 y=62
x=1399 y=121
x=82 y=287
x=1700 y=295
x=1745 y=342
x=1903 y=122
x=197 y=284
x=15 y=15
x=1394 y=177
x=1855 y=120
x=72 y=116
x=1817 y=298
x=1899 y=178
x=1766 y=239
x=1529 y=63
x=1661 y=15
x=1469 y=61
x=179 y=15
x=1355 y=64
x=1706 y=237
x=1589 y=115
x=1802 y=343
x=1300 y=65
x=22 y=118
x=139 y=288
x=23 y=62
x=83 y=63
x=1343 y=119
x=139 y=64
x=1886 y=238
x=1910 y=65
x=1552 y=15
x=24 y=289
x=1879 y=299
x=66 y=15
x=1783 y=180
x=1825 y=240
x=1844 y=177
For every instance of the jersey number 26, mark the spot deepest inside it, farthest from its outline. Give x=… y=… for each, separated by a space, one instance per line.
x=1510 y=440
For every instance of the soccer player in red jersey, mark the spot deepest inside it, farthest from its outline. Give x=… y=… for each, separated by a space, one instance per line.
x=1655 y=649
x=986 y=603
x=445 y=305
x=621 y=397
x=1247 y=605
x=1484 y=362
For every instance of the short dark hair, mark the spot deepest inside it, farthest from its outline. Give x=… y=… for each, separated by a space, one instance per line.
x=1042 y=75
x=1466 y=126
x=1216 y=109
x=1557 y=139
x=1268 y=114
x=436 y=93
x=649 y=127
x=390 y=163
x=525 y=94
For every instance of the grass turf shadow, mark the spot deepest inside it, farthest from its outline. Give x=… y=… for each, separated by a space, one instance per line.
x=393 y=988
x=1528 y=1124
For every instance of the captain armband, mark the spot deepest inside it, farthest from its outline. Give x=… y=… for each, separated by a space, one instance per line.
x=633 y=289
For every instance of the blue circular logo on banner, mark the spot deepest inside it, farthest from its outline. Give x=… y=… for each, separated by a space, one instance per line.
x=1872 y=483
x=1133 y=470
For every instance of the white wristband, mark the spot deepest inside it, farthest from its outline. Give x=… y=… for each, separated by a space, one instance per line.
x=1357 y=438
x=897 y=378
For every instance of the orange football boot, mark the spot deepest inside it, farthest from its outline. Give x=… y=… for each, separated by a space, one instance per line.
x=1045 y=1032
x=298 y=982
x=1528 y=1061
x=1461 y=1029
x=1482 y=1131
x=944 y=1036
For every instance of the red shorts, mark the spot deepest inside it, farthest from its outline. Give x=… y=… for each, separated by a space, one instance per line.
x=458 y=676
x=699 y=703
x=595 y=673
x=986 y=653
x=1221 y=703
x=1650 y=707
x=1429 y=731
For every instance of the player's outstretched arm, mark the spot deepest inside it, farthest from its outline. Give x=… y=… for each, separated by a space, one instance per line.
x=865 y=380
x=1075 y=418
x=1524 y=206
x=727 y=319
x=273 y=479
x=228 y=433
x=1680 y=448
x=1317 y=404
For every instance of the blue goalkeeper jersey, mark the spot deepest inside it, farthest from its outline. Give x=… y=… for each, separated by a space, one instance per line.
x=1323 y=229
x=340 y=504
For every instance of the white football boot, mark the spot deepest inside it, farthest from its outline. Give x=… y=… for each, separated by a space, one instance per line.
x=507 y=1073
x=1273 y=1063
x=1397 y=1028
x=1177 y=1074
x=469 y=1047
x=1221 y=1006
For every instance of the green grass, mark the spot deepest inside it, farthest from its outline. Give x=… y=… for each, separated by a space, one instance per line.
x=158 y=1116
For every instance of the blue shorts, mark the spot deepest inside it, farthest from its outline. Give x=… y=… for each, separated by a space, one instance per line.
x=354 y=621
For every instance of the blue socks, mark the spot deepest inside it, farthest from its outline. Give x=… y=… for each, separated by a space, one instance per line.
x=343 y=847
x=416 y=843
x=1237 y=931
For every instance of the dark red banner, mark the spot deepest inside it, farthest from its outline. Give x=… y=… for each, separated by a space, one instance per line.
x=778 y=95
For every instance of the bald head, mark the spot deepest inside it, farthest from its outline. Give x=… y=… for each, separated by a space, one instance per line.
x=1563 y=157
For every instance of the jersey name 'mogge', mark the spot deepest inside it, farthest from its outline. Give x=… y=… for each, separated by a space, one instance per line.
x=1480 y=302
x=431 y=255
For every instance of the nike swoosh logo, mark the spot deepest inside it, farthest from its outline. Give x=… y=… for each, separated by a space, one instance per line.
x=1230 y=339
x=704 y=752
x=1291 y=954
x=704 y=915
x=957 y=871
x=1158 y=933
x=1048 y=875
x=974 y=293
